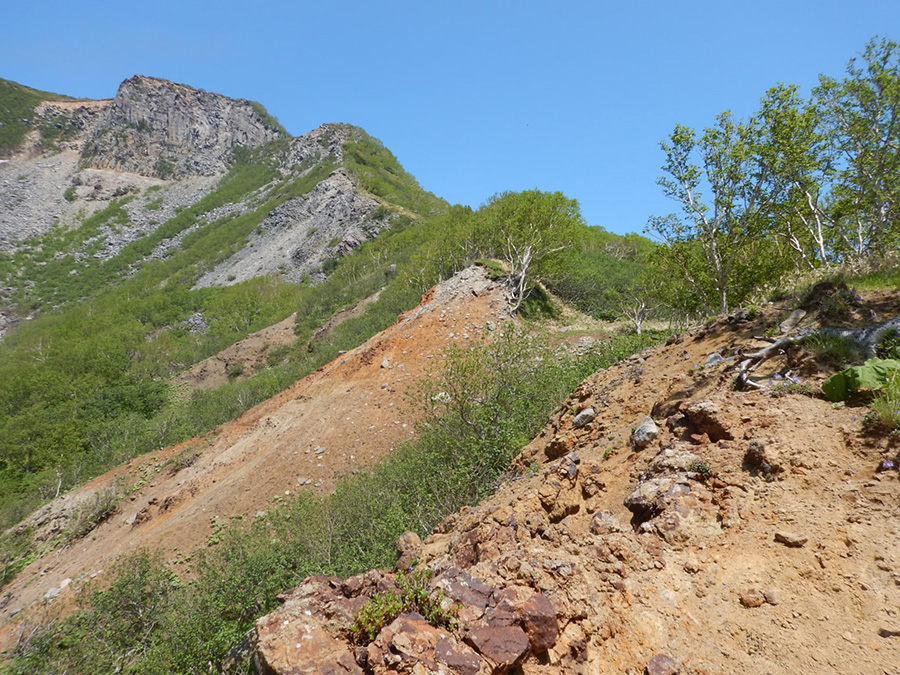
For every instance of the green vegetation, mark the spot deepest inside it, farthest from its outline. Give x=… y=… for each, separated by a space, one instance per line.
x=413 y=596
x=267 y=117
x=884 y=415
x=832 y=349
x=873 y=375
x=17 y=104
x=148 y=620
x=93 y=511
x=800 y=185
x=379 y=172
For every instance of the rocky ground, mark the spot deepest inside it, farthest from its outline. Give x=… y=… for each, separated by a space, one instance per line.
x=733 y=532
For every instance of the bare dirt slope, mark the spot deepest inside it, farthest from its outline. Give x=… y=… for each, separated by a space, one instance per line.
x=754 y=534
x=347 y=414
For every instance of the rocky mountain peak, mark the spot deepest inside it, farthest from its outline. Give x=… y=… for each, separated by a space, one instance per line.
x=158 y=128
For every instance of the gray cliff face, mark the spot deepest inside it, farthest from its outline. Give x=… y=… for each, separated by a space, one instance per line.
x=297 y=237
x=161 y=129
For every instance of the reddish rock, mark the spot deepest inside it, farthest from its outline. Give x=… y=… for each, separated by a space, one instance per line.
x=299 y=645
x=409 y=550
x=661 y=665
x=708 y=419
x=504 y=647
x=503 y=614
x=465 y=588
x=410 y=644
x=539 y=620
x=752 y=598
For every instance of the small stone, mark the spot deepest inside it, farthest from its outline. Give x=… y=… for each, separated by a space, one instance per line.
x=584 y=418
x=713 y=359
x=893 y=631
x=661 y=664
x=605 y=522
x=645 y=434
x=792 y=321
x=771 y=596
x=791 y=540
x=752 y=598
x=386 y=363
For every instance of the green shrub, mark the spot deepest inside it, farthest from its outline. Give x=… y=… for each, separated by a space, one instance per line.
x=885 y=407
x=93 y=511
x=17 y=104
x=832 y=349
x=413 y=596
x=888 y=346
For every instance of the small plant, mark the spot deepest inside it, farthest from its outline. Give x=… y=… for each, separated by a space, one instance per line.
x=154 y=205
x=838 y=304
x=413 y=596
x=164 y=168
x=182 y=461
x=885 y=407
x=69 y=194
x=93 y=511
x=832 y=349
x=701 y=468
x=234 y=369
x=782 y=385
x=787 y=387
x=634 y=373
x=888 y=346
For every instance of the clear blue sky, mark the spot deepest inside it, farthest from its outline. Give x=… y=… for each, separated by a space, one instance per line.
x=472 y=97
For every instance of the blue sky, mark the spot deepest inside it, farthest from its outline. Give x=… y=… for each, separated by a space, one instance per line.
x=473 y=97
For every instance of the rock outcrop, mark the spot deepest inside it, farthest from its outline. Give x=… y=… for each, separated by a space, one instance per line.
x=162 y=129
x=296 y=238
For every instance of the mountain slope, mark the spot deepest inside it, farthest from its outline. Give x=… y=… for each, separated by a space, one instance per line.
x=122 y=280
x=346 y=415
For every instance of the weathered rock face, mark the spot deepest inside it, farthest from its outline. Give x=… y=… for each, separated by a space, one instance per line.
x=158 y=128
x=299 y=235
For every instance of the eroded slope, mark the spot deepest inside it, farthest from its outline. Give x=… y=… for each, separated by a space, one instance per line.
x=347 y=414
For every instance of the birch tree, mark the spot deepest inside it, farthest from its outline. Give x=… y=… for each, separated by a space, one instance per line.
x=709 y=242
x=525 y=230
x=861 y=117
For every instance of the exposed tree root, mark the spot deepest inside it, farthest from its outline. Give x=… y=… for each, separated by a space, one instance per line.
x=866 y=338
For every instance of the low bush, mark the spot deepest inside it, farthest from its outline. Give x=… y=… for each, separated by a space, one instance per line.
x=413 y=596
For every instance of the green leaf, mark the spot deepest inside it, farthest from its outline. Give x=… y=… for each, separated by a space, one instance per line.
x=873 y=375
